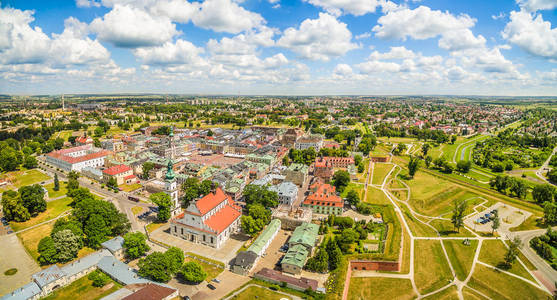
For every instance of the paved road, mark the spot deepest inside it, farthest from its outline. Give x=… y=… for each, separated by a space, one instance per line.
x=545 y=166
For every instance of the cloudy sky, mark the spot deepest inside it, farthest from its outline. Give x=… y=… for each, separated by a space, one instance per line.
x=372 y=47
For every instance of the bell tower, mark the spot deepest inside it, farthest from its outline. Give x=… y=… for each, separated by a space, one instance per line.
x=171 y=189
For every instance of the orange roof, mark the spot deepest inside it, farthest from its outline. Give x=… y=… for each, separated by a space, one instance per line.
x=114 y=170
x=325 y=195
x=209 y=201
x=129 y=176
x=223 y=218
x=152 y=292
x=62 y=154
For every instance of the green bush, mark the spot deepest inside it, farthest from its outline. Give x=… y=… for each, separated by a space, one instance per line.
x=99 y=278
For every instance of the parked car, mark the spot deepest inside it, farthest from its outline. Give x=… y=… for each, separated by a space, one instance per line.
x=212 y=287
x=216 y=280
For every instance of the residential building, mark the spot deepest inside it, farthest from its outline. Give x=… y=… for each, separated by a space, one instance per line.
x=296 y=173
x=83 y=140
x=244 y=262
x=265 y=238
x=113 y=145
x=77 y=158
x=324 y=166
x=314 y=141
x=115 y=246
x=305 y=235
x=323 y=199
x=294 y=260
x=209 y=220
x=287 y=192
x=121 y=173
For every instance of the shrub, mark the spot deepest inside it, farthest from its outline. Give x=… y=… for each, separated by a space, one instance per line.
x=99 y=278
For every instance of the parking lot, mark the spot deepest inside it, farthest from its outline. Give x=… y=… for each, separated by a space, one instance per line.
x=272 y=255
x=509 y=216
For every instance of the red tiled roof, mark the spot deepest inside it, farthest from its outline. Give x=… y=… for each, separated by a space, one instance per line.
x=325 y=195
x=116 y=170
x=301 y=282
x=84 y=139
x=62 y=154
x=209 y=201
x=129 y=176
x=151 y=291
x=223 y=218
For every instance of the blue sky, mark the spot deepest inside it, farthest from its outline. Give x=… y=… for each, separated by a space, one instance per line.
x=281 y=47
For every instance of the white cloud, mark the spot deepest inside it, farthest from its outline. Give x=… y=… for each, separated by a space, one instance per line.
x=181 y=52
x=487 y=60
x=460 y=39
x=342 y=69
x=178 y=10
x=87 y=3
x=531 y=33
x=394 y=53
x=226 y=16
x=378 y=66
x=318 y=39
x=130 y=27
x=500 y=16
x=355 y=7
x=364 y=35
x=242 y=43
x=535 y=5
x=420 y=23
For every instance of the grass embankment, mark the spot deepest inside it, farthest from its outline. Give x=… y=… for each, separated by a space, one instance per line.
x=431 y=266
x=380 y=171
x=255 y=292
x=380 y=288
x=461 y=256
x=376 y=196
x=498 y=285
x=53 y=210
x=55 y=194
x=450 y=293
x=493 y=253
x=85 y=289
x=31 y=238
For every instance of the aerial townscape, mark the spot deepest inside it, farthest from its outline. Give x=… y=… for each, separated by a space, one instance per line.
x=278 y=150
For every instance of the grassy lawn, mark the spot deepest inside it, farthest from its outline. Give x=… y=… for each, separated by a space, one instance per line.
x=450 y=293
x=376 y=196
x=493 y=252
x=153 y=226
x=85 y=289
x=497 y=285
x=417 y=227
x=380 y=171
x=461 y=256
x=533 y=222
x=53 y=209
x=381 y=288
x=136 y=210
x=130 y=187
x=363 y=176
x=31 y=238
x=353 y=186
x=55 y=194
x=446 y=229
x=23 y=178
x=431 y=266
x=253 y=292
x=469 y=294
x=405 y=267
x=212 y=271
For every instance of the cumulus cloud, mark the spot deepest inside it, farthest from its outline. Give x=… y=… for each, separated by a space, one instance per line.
x=420 y=23
x=178 y=10
x=460 y=39
x=535 y=5
x=226 y=16
x=394 y=53
x=130 y=27
x=181 y=52
x=318 y=39
x=87 y=3
x=354 y=7
x=532 y=34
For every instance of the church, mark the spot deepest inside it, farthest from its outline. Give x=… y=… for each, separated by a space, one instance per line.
x=209 y=220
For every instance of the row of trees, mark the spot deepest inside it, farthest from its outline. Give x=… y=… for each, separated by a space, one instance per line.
x=162 y=266
x=27 y=202
x=258 y=199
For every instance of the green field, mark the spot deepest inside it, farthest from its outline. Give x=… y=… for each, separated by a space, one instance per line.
x=381 y=288
x=55 y=194
x=450 y=293
x=31 y=238
x=431 y=266
x=376 y=196
x=493 y=252
x=255 y=292
x=353 y=186
x=53 y=209
x=380 y=171
x=497 y=285
x=461 y=256
x=418 y=228
x=23 y=178
x=84 y=289
x=446 y=229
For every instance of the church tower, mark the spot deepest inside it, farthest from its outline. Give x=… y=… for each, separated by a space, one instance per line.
x=171 y=189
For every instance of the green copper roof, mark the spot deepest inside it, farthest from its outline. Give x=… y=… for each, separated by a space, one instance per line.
x=296 y=256
x=169 y=172
x=171 y=131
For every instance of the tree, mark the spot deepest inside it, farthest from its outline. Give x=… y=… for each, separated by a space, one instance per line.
x=260 y=194
x=30 y=162
x=427 y=161
x=512 y=252
x=135 y=244
x=155 y=266
x=550 y=212
x=73 y=225
x=425 y=149
x=341 y=179
x=112 y=183
x=99 y=278
x=56 y=182
x=176 y=258
x=352 y=197
x=47 y=251
x=413 y=166
x=97 y=231
x=400 y=148
x=147 y=166
x=193 y=272
x=453 y=139
x=32 y=197
x=552 y=175
x=347 y=237
x=258 y=216
x=496 y=222
x=319 y=262
x=8 y=159
x=458 y=214
x=67 y=245
x=164 y=203
x=357 y=159
x=463 y=166
x=249 y=226
x=13 y=208
x=544 y=192
x=335 y=255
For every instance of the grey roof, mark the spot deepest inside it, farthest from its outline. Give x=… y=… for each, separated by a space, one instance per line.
x=26 y=292
x=117 y=295
x=85 y=263
x=119 y=271
x=48 y=275
x=114 y=244
x=285 y=188
x=245 y=259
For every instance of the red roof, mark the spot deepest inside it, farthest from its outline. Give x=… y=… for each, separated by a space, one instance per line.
x=209 y=201
x=325 y=195
x=63 y=154
x=129 y=176
x=151 y=291
x=223 y=218
x=114 y=170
